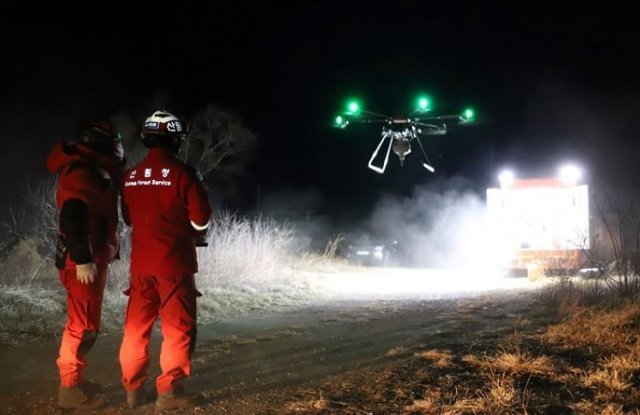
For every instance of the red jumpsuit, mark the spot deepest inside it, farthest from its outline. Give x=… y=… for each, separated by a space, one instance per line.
x=163 y=199
x=87 y=201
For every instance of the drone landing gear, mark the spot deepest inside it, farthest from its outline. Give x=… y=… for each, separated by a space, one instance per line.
x=401 y=147
x=377 y=169
x=426 y=163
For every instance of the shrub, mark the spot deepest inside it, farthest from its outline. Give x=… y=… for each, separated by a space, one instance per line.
x=242 y=250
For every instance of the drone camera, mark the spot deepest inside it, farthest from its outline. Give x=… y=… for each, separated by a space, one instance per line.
x=401 y=148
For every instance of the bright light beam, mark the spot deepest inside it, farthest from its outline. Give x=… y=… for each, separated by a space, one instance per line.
x=570 y=174
x=506 y=177
x=405 y=284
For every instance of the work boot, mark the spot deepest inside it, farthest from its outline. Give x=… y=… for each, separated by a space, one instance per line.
x=177 y=399
x=77 y=397
x=140 y=397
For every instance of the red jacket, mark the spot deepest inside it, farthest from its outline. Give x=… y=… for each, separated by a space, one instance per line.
x=87 y=201
x=162 y=197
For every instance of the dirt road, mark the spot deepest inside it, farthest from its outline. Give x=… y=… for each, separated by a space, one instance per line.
x=255 y=364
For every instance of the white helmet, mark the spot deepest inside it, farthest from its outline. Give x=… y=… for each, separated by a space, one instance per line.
x=164 y=123
x=164 y=127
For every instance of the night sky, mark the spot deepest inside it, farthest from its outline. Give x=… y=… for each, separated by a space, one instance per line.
x=549 y=84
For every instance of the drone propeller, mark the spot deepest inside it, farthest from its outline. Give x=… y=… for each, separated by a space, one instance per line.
x=433 y=129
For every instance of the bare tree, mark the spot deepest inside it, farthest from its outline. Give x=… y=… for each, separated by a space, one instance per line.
x=218 y=141
x=615 y=240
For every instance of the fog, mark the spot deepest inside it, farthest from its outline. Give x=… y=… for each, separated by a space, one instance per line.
x=441 y=225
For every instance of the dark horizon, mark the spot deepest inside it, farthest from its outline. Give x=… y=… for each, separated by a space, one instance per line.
x=549 y=85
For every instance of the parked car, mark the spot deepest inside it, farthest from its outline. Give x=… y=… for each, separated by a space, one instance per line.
x=366 y=250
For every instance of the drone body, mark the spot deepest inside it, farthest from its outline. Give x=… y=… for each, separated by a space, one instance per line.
x=400 y=132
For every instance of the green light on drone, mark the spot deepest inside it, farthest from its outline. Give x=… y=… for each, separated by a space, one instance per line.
x=424 y=104
x=468 y=114
x=353 y=107
x=340 y=122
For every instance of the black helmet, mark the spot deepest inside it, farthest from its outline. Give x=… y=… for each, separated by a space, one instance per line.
x=164 y=128
x=102 y=136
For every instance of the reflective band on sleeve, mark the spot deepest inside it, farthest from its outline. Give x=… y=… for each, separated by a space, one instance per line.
x=198 y=227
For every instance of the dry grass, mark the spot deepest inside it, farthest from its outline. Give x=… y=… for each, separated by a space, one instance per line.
x=395 y=351
x=597 y=330
x=316 y=404
x=333 y=245
x=519 y=363
x=500 y=396
x=241 y=249
x=587 y=361
x=437 y=358
x=25 y=266
x=422 y=406
x=255 y=251
x=34 y=219
x=242 y=254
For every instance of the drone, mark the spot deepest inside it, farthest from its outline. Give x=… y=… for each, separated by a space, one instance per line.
x=401 y=131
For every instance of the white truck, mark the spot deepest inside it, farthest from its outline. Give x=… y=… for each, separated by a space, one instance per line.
x=542 y=223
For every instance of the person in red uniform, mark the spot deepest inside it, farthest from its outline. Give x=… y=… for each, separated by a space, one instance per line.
x=89 y=172
x=167 y=206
